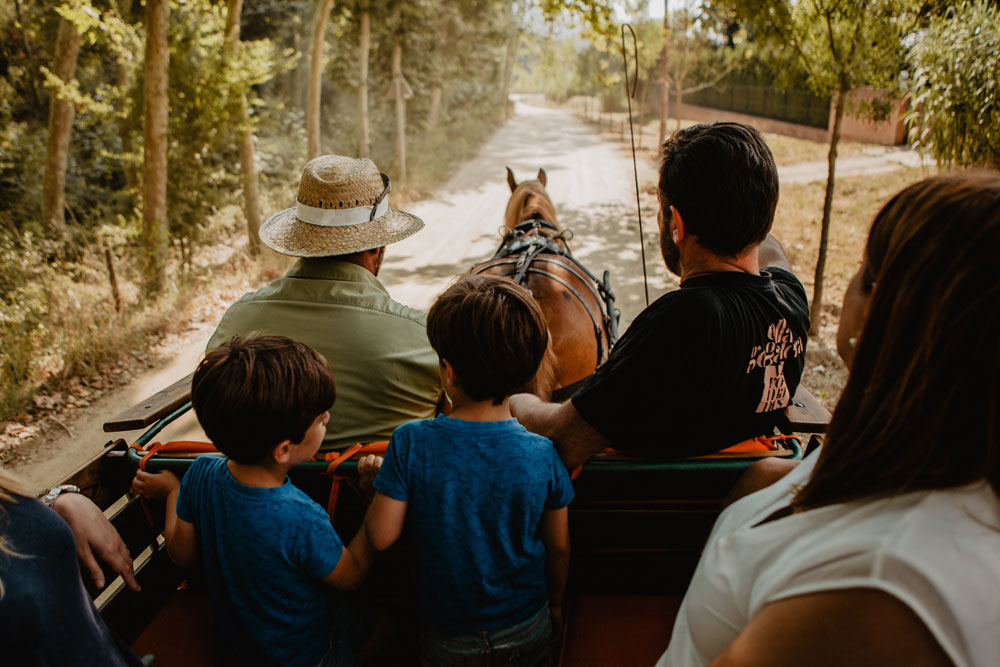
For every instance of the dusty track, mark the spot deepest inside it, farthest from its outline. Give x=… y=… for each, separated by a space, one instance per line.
x=590 y=181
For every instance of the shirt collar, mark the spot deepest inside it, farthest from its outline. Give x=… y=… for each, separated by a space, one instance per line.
x=327 y=268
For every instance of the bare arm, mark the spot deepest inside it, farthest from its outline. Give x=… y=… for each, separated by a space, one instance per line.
x=770 y=253
x=858 y=627
x=575 y=439
x=182 y=544
x=555 y=536
x=760 y=475
x=355 y=561
x=384 y=521
x=95 y=538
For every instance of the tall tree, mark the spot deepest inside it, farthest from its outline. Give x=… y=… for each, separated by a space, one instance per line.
x=842 y=45
x=364 y=46
x=665 y=73
x=61 y=113
x=401 y=92
x=248 y=169
x=155 y=231
x=316 y=77
x=510 y=52
x=699 y=59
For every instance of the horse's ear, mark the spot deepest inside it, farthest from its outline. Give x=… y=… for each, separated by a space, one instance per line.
x=510 y=180
x=541 y=177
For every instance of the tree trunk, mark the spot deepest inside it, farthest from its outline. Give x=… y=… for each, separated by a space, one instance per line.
x=678 y=100
x=508 y=71
x=364 y=45
x=397 y=83
x=316 y=78
x=665 y=74
x=61 y=114
x=642 y=107
x=155 y=232
x=122 y=71
x=434 y=111
x=817 y=301
x=248 y=167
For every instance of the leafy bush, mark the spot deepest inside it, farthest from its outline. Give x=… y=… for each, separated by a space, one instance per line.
x=956 y=86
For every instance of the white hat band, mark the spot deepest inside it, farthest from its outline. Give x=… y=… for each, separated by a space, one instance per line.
x=339 y=217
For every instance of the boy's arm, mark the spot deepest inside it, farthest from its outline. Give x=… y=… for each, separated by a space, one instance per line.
x=355 y=561
x=182 y=546
x=555 y=536
x=384 y=520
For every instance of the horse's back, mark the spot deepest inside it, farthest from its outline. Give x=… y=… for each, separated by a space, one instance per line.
x=572 y=314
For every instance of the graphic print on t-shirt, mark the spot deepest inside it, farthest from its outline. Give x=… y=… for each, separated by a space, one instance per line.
x=782 y=344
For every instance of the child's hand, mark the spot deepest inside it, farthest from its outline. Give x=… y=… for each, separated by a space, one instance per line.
x=368 y=467
x=557 y=623
x=155 y=486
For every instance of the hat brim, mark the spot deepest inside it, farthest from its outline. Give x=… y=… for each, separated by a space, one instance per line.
x=283 y=232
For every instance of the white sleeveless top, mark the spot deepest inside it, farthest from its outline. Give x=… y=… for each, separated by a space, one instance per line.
x=938 y=552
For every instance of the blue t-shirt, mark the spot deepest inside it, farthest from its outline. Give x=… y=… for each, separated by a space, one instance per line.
x=475 y=492
x=265 y=552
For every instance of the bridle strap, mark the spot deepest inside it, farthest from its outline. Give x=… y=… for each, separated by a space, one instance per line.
x=529 y=247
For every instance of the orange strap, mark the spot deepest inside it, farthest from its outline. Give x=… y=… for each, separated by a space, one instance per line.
x=188 y=446
x=762 y=443
x=336 y=458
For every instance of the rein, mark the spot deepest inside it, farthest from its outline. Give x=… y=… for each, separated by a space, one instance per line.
x=522 y=247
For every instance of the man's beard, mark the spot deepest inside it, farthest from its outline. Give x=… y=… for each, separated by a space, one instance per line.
x=671 y=255
x=378 y=259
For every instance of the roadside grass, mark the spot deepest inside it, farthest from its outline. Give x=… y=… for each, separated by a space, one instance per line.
x=797 y=225
x=64 y=343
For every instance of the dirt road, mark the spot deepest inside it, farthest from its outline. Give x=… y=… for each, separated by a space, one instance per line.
x=590 y=180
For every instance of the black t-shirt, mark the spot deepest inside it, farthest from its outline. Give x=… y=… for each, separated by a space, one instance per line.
x=703 y=367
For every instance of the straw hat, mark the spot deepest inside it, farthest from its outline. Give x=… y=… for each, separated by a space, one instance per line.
x=342 y=207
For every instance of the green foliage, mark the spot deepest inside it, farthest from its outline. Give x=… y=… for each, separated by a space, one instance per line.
x=956 y=86
x=841 y=45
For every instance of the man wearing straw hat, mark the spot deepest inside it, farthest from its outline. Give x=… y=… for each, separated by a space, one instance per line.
x=385 y=370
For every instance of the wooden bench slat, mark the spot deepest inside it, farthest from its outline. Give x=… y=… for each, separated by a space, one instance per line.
x=157 y=406
x=806 y=414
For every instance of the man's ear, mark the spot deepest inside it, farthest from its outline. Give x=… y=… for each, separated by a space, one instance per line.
x=678 y=232
x=282 y=452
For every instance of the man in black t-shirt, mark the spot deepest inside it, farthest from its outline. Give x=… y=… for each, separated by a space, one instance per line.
x=714 y=362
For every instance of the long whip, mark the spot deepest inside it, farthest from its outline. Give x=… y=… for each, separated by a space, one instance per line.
x=629 y=94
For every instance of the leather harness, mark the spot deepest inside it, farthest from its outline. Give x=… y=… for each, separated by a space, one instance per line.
x=522 y=248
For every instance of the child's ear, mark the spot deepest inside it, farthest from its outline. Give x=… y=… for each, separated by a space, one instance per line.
x=282 y=452
x=449 y=372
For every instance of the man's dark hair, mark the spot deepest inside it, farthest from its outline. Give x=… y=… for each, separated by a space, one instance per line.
x=492 y=332
x=252 y=393
x=723 y=180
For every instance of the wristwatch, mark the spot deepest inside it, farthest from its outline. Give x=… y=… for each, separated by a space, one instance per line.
x=50 y=498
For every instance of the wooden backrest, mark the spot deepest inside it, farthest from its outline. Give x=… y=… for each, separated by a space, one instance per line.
x=805 y=415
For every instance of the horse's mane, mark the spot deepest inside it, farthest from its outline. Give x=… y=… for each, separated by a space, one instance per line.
x=529 y=200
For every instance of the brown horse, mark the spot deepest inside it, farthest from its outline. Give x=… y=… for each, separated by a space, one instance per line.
x=579 y=308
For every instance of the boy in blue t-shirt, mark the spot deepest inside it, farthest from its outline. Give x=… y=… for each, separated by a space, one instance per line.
x=486 y=501
x=269 y=551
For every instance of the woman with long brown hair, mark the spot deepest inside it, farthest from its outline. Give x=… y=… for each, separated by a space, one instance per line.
x=884 y=546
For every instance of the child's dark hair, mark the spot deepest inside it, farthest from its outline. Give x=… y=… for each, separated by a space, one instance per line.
x=492 y=332
x=252 y=393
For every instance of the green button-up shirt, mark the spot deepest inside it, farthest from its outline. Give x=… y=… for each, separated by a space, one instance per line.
x=385 y=370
